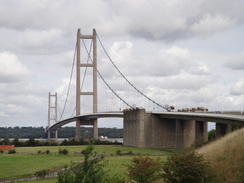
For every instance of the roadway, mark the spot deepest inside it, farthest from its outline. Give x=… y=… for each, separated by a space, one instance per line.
x=201 y=116
x=198 y=116
x=86 y=118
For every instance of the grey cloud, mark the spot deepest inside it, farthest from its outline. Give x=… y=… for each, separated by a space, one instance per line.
x=34 y=41
x=236 y=63
x=237 y=88
x=170 y=20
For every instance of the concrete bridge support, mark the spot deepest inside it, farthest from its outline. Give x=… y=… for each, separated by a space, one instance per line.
x=143 y=129
x=222 y=129
x=77 y=130
x=134 y=127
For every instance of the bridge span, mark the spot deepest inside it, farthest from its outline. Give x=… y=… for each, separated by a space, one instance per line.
x=162 y=129
x=86 y=119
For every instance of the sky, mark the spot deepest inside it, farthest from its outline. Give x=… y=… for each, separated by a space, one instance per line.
x=187 y=53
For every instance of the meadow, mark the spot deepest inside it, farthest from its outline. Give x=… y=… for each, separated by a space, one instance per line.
x=225 y=156
x=29 y=160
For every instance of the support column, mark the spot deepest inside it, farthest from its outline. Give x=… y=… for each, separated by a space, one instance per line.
x=179 y=133
x=56 y=134
x=95 y=126
x=95 y=130
x=141 y=117
x=52 y=112
x=222 y=129
x=169 y=133
x=78 y=92
x=201 y=131
x=189 y=133
x=134 y=127
x=77 y=130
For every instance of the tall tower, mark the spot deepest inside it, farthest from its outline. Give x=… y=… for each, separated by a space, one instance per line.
x=79 y=93
x=52 y=111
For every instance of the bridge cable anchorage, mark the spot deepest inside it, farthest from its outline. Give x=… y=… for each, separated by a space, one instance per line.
x=71 y=74
x=104 y=79
x=127 y=79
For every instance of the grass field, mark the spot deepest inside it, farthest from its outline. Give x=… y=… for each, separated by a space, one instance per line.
x=28 y=161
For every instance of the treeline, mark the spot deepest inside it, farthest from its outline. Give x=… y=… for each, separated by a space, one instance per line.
x=64 y=132
x=32 y=142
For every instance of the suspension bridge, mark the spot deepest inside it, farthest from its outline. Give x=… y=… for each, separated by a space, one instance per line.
x=159 y=128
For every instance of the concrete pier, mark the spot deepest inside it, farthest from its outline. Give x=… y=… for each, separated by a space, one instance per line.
x=144 y=129
x=222 y=129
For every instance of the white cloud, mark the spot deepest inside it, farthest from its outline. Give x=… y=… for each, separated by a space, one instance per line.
x=11 y=70
x=210 y=24
x=121 y=51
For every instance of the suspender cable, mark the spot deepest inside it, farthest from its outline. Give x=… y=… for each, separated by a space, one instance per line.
x=104 y=79
x=71 y=74
x=126 y=78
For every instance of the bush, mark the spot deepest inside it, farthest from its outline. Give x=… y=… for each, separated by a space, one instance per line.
x=41 y=174
x=63 y=151
x=144 y=169
x=212 y=135
x=12 y=151
x=89 y=171
x=118 y=152
x=188 y=167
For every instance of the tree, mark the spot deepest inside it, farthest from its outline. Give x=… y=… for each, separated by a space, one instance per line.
x=144 y=169
x=187 y=167
x=212 y=135
x=89 y=171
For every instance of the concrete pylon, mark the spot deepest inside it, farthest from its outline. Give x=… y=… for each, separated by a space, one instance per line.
x=93 y=37
x=52 y=112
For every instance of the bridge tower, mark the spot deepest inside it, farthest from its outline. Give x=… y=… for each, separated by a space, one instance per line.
x=79 y=93
x=52 y=112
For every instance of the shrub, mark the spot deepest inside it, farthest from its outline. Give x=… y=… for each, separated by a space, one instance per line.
x=12 y=151
x=41 y=173
x=63 y=151
x=188 y=167
x=89 y=171
x=47 y=152
x=118 y=152
x=144 y=169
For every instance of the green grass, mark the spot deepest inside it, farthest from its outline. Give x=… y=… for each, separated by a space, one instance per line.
x=16 y=165
x=53 y=180
x=107 y=149
x=27 y=160
x=115 y=163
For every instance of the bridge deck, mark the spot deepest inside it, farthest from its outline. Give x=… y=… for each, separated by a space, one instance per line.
x=198 y=116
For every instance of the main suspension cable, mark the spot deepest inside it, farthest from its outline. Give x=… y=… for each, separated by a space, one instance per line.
x=126 y=78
